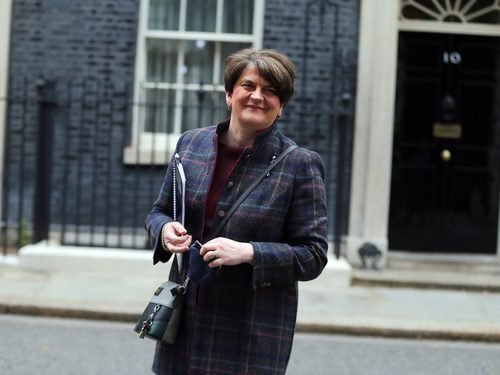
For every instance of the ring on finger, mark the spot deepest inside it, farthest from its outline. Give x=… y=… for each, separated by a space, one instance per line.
x=215 y=254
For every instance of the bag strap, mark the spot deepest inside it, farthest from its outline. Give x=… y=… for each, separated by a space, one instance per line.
x=175 y=168
x=247 y=192
x=174 y=188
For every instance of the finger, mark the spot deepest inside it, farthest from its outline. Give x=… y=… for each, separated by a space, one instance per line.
x=179 y=240
x=210 y=256
x=204 y=250
x=209 y=246
x=189 y=241
x=178 y=228
x=178 y=249
x=215 y=263
x=182 y=240
x=186 y=243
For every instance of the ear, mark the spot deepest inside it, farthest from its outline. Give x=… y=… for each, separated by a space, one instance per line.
x=280 y=112
x=228 y=100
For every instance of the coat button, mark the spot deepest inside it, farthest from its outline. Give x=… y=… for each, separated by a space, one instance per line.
x=221 y=214
x=230 y=184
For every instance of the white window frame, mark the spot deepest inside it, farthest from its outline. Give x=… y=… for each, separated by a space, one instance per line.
x=157 y=148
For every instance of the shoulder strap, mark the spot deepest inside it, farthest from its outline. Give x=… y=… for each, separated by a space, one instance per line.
x=247 y=192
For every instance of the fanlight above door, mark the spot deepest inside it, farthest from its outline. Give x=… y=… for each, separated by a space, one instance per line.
x=459 y=11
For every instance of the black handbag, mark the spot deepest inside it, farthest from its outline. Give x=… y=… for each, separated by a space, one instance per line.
x=160 y=320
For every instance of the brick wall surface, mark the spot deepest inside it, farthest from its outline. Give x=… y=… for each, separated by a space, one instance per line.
x=71 y=39
x=88 y=47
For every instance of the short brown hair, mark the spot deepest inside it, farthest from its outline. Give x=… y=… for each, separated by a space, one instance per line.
x=275 y=67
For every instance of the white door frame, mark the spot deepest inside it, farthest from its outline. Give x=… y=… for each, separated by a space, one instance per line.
x=374 y=119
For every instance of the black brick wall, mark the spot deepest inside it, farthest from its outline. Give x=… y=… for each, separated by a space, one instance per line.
x=71 y=39
x=88 y=48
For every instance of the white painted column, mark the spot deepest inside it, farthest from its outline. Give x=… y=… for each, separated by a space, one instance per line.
x=5 y=16
x=372 y=155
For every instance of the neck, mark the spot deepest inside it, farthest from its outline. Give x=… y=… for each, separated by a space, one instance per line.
x=236 y=138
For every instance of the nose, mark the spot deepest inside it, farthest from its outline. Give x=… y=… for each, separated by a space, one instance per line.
x=257 y=94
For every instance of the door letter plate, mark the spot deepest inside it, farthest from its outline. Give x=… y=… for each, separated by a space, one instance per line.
x=450 y=131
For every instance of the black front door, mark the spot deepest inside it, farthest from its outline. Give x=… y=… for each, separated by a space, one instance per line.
x=446 y=153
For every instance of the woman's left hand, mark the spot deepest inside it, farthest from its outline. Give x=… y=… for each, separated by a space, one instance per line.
x=222 y=251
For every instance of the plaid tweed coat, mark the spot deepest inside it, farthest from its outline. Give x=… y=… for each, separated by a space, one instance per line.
x=245 y=321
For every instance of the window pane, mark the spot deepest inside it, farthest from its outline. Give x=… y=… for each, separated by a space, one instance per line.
x=201 y=15
x=203 y=108
x=159 y=110
x=199 y=62
x=164 y=14
x=176 y=69
x=161 y=60
x=238 y=16
x=227 y=49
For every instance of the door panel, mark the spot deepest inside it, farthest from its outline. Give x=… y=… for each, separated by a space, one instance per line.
x=445 y=175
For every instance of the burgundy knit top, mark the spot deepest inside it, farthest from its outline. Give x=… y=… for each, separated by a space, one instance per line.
x=227 y=158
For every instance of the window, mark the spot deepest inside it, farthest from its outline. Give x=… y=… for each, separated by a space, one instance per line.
x=181 y=49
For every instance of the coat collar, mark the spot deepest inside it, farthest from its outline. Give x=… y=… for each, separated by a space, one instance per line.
x=266 y=145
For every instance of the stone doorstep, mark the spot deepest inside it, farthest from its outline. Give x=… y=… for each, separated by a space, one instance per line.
x=476 y=263
x=427 y=280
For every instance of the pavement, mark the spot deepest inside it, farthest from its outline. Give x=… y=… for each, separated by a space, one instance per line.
x=412 y=299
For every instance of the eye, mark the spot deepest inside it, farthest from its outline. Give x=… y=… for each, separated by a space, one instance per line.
x=271 y=90
x=247 y=85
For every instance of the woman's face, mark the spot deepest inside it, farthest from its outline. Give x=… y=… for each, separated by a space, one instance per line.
x=253 y=102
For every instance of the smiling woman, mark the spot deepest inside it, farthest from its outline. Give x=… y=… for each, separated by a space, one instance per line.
x=243 y=322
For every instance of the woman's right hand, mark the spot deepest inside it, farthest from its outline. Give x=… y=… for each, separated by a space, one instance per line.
x=175 y=237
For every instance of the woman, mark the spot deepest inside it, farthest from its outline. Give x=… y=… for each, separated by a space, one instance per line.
x=244 y=321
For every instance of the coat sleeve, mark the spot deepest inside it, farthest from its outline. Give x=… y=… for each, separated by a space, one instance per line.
x=303 y=255
x=159 y=215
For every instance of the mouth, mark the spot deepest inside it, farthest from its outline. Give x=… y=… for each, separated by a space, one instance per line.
x=254 y=107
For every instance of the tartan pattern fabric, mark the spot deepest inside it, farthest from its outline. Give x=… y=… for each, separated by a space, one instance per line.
x=244 y=322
